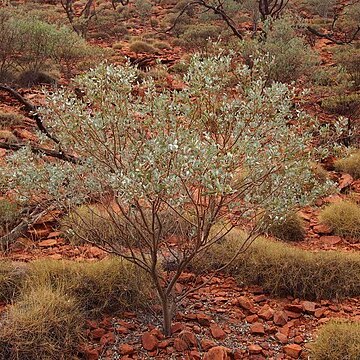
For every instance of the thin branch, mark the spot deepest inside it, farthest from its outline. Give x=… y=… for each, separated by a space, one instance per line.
x=32 y=111
x=331 y=38
x=42 y=151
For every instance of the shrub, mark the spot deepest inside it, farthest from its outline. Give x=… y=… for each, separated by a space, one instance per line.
x=198 y=36
x=338 y=339
x=155 y=152
x=44 y=324
x=29 y=44
x=9 y=213
x=348 y=57
x=292 y=56
x=323 y=8
x=347 y=105
x=343 y=218
x=289 y=229
x=350 y=165
x=140 y=46
x=11 y=280
x=108 y=285
x=284 y=270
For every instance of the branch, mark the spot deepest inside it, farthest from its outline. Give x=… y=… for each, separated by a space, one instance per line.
x=332 y=39
x=32 y=111
x=26 y=222
x=39 y=150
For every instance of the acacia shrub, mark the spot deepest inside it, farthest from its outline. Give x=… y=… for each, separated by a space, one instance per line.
x=151 y=151
x=291 y=56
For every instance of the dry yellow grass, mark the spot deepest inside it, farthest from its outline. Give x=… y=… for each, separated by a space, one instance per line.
x=338 y=339
x=343 y=218
x=45 y=324
x=350 y=165
x=284 y=270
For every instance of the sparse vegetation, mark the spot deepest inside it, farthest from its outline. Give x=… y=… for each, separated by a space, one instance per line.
x=338 y=339
x=8 y=120
x=348 y=105
x=140 y=46
x=44 y=324
x=284 y=270
x=289 y=229
x=344 y=218
x=350 y=164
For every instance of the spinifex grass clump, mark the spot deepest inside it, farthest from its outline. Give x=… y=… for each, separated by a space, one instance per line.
x=44 y=324
x=343 y=218
x=350 y=165
x=12 y=277
x=156 y=154
x=284 y=270
x=104 y=286
x=338 y=339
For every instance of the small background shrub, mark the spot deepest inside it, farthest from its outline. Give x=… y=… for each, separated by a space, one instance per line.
x=338 y=339
x=11 y=280
x=290 y=229
x=343 y=218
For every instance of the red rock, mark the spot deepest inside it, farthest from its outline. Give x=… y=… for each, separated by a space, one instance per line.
x=54 y=234
x=149 y=341
x=257 y=328
x=322 y=229
x=308 y=306
x=180 y=345
x=293 y=350
x=266 y=312
x=254 y=349
x=207 y=344
x=98 y=333
x=252 y=318
x=294 y=308
x=345 y=181
x=292 y=315
x=217 y=332
x=203 y=319
x=126 y=349
x=48 y=243
x=280 y=318
x=245 y=303
x=188 y=337
x=25 y=134
x=281 y=337
x=330 y=240
x=259 y=298
x=164 y=343
x=217 y=353
x=319 y=312
x=298 y=339
x=195 y=355
x=91 y=354
x=177 y=327
x=108 y=338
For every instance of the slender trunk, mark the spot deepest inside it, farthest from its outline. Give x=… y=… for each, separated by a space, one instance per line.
x=168 y=307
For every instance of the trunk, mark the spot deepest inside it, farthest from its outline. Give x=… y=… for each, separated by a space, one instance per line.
x=168 y=308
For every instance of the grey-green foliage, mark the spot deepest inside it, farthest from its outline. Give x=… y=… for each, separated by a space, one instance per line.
x=292 y=56
x=162 y=146
x=27 y=43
